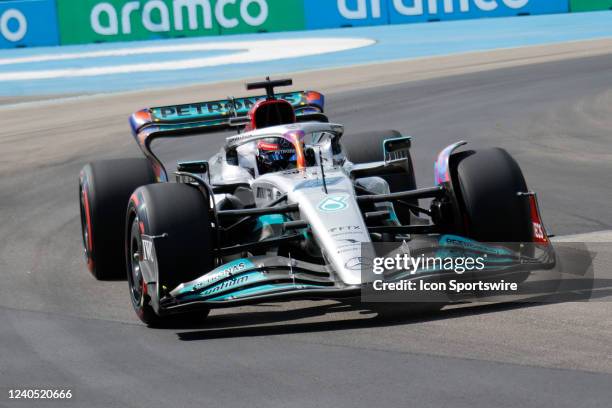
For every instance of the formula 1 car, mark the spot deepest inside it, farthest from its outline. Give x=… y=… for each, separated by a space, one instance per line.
x=285 y=208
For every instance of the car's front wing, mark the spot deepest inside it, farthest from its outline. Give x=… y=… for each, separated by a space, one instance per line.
x=272 y=278
x=254 y=280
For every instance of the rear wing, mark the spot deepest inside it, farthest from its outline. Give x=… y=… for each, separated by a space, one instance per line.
x=207 y=117
x=215 y=115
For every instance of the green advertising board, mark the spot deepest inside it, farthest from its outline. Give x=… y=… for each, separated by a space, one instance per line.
x=87 y=21
x=283 y=15
x=590 y=5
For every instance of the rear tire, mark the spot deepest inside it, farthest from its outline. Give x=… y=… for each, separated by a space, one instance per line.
x=104 y=190
x=175 y=218
x=367 y=147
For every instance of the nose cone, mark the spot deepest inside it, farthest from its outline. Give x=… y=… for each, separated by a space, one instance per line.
x=337 y=226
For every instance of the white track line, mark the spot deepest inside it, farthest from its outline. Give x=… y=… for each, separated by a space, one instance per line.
x=246 y=52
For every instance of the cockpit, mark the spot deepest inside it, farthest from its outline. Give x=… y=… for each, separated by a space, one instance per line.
x=293 y=147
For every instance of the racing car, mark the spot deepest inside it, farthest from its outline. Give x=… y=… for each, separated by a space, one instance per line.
x=284 y=210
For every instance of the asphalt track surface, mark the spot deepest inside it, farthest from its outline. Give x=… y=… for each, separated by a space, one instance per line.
x=59 y=328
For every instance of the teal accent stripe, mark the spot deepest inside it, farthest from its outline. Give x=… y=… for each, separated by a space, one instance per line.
x=260 y=290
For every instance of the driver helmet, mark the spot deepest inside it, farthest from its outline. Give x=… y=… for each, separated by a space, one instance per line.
x=280 y=153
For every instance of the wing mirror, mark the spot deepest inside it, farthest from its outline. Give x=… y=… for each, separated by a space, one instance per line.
x=397 y=148
x=194 y=167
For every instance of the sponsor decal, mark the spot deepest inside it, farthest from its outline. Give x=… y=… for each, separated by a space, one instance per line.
x=538 y=232
x=155 y=15
x=263 y=289
x=349 y=249
x=28 y=23
x=330 y=181
x=228 y=284
x=111 y=20
x=220 y=273
x=291 y=172
x=284 y=151
x=334 y=203
x=263 y=145
x=351 y=241
x=147 y=249
x=348 y=245
x=337 y=13
x=340 y=13
x=345 y=237
x=346 y=229
x=206 y=110
x=417 y=7
x=404 y=11
x=468 y=244
x=13 y=25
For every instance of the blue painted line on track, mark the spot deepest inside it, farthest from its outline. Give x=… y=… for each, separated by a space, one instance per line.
x=393 y=42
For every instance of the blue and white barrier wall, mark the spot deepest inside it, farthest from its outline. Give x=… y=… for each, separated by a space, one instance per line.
x=54 y=22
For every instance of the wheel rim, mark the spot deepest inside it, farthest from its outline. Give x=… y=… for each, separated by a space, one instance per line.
x=135 y=278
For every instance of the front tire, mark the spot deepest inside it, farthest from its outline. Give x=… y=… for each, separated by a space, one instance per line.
x=174 y=221
x=487 y=184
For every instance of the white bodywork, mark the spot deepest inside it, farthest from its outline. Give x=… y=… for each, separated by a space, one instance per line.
x=335 y=218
